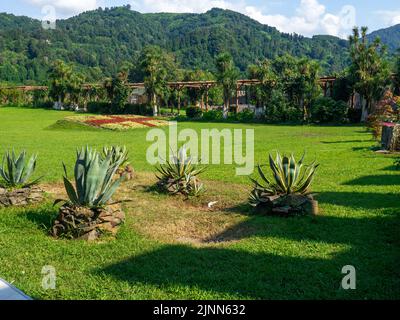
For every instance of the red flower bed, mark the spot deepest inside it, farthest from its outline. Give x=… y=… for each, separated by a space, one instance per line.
x=388 y=124
x=117 y=119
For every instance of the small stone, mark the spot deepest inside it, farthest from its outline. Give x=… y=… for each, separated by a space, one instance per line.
x=281 y=210
x=107 y=218
x=90 y=236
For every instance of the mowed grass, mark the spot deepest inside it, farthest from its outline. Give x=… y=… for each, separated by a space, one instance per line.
x=175 y=249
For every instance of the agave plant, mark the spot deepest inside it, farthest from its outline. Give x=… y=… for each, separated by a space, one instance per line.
x=289 y=186
x=94 y=184
x=181 y=175
x=86 y=214
x=16 y=171
x=118 y=155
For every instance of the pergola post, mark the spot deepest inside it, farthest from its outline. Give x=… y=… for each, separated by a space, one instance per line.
x=179 y=100
x=237 y=97
x=207 y=98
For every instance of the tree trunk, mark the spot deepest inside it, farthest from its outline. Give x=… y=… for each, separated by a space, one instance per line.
x=179 y=102
x=154 y=103
x=226 y=109
x=365 y=108
x=304 y=108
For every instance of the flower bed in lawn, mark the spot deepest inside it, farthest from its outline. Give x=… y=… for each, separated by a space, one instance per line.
x=118 y=122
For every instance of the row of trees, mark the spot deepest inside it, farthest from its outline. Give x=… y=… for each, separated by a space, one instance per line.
x=288 y=85
x=294 y=82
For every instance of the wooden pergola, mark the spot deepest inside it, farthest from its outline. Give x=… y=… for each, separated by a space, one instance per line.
x=326 y=83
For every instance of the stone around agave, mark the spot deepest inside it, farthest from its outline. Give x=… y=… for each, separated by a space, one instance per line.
x=289 y=205
x=20 y=197
x=87 y=224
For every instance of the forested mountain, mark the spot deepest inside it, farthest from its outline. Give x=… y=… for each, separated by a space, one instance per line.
x=389 y=36
x=99 y=42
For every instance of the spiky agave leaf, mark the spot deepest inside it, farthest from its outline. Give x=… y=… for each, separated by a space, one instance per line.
x=290 y=177
x=94 y=184
x=16 y=171
x=179 y=174
x=119 y=155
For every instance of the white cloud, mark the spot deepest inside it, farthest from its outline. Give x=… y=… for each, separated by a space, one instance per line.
x=311 y=17
x=187 y=6
x=390 y=18
x=67 y=7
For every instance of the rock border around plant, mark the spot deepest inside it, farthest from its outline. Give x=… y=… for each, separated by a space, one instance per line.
x=21 y=197
x=288 y=206
x=87 y=224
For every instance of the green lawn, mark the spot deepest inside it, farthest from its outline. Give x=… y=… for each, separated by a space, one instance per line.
x=270 y=258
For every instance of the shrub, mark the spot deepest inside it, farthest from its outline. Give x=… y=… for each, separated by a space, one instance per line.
x=193 y=112
x=288 y=190
x=138 y=109
x=45 y=105
x=387 y=110
x=245 y=116
x=14 y=97
x=179 y=176
x=213 y=115
x=354 y=115
x=40 y=99
x=99 y=107
x=327 y=110
x=280 y=110
x=397 y=163
x=17 y=171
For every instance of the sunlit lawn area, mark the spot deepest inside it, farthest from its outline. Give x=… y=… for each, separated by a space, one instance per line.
x=175 y=249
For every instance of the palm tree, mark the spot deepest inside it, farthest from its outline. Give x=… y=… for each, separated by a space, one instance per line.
x=227 y=75
x=60 y=75
x=369 y=69
x=156 y=67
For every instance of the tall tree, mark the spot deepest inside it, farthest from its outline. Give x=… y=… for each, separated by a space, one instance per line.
x=227 y=75
x=369 y=69
x=75 y=89
x=117 y=91
x=263 y=72
x=61 y=77
x=156 y=67
x=298 y=78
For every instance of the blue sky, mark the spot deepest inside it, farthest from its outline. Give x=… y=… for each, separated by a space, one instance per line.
x=307 y=17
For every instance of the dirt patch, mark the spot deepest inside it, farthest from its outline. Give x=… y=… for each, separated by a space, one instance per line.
x=55 y=190
x=198 y=221
x=212 y=218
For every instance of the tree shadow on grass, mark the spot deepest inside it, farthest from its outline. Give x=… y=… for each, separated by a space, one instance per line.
x=263 y=275
x=392 y=168
x=345 y=141
x=360 y=200
x=260 y=275
x=43 y=217
x=377 y=180
x=228 y=272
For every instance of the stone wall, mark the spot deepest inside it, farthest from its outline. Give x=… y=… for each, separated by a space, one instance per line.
x=391 y=137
